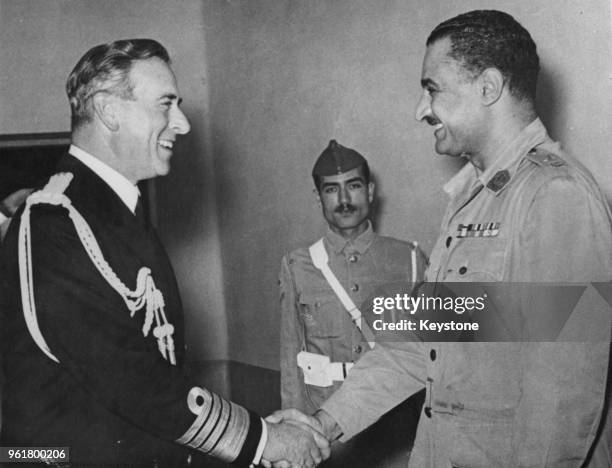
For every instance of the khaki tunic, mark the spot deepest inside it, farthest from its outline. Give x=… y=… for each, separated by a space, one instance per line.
x=535 y=215
x=312 y=317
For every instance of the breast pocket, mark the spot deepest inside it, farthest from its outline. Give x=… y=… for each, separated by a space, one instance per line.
x=322 y=314
x=478 y=260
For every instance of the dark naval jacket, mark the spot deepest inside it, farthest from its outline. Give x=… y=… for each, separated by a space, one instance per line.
x=112 y=397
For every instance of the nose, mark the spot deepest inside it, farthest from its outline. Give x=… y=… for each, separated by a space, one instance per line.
x=344 y=195
x=179 y=122
x=423 y=107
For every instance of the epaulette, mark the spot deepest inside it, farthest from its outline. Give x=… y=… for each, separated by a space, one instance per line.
x=541 y=157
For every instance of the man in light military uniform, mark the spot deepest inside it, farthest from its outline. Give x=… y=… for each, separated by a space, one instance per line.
x=521 y=210
x=92 y=337
x=320 y=338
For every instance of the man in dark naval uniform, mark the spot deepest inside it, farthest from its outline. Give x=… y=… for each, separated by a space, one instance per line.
x=93 y=336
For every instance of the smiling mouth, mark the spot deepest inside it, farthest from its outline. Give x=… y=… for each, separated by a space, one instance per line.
x=435 y=123
x=165 y=144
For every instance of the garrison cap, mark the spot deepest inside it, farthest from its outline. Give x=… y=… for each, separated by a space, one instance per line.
x=336 y=159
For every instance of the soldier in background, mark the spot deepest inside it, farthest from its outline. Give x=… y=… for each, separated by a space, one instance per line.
x=324 y=286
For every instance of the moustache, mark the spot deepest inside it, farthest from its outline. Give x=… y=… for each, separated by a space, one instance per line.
x=431 y=120
x=345 y=207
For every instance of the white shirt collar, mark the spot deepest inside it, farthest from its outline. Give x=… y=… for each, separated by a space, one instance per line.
x=126 y=190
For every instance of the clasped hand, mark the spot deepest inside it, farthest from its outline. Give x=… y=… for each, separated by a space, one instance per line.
x=295 y=440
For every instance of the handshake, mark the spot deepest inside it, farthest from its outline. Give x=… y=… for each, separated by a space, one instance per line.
x=297 y=440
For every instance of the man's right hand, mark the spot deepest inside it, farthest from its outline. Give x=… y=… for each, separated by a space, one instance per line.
x=294 y=444
x=321 y=421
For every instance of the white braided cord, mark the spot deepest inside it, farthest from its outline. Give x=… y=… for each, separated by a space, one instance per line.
x=145 y=293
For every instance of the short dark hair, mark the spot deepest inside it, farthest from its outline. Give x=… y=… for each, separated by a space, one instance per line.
x=365 y=170
x=489 y=38
x=106 y=68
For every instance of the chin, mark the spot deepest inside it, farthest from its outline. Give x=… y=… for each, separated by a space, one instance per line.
x=162 y=170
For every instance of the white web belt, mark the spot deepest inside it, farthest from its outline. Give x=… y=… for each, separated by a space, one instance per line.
x=319 y=371
x=145 y=294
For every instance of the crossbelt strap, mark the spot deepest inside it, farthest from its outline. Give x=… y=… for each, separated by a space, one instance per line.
x=414 y=262
x=320 y=259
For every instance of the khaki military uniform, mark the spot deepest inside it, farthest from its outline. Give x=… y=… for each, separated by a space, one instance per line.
x=312 y=317
x=535 y=215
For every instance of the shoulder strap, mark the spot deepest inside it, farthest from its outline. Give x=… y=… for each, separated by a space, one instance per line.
x=414 y=272
x=145 y=294
x=320 y=259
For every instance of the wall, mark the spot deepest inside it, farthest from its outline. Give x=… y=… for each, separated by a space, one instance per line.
x=41 y=40
x=266 y=84
x=288 y=75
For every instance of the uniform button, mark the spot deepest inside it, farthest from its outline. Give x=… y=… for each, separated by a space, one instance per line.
x=449 y=239
x=317 y=304
x=353 y=258
x=463 y=270
x=428 y=411
x=358 y=349
x=355 y=287
x=432 y=354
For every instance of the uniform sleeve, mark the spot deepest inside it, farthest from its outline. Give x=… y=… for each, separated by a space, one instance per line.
x=381 y=379
x=293 y=388
x=422 y=263
x=566 y=237
x=88 y=327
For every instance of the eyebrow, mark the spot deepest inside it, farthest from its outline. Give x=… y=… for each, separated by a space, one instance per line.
x=350 y=181
x=172 y=97
x=355 y=179
x=428 y=82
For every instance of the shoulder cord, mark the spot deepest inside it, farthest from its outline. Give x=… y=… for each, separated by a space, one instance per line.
x=320 y=260
x=145 y=293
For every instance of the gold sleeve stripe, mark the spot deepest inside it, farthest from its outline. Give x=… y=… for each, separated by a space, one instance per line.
x=209 y=431
x=199 y=401
x=232 y=438
x=220 y=428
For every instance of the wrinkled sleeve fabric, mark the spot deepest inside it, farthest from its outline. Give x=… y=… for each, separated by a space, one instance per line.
x=293 y=388
x=88 y=327
x=566 y=237
x=381 y=379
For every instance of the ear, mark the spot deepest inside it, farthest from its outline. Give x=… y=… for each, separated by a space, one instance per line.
x=317 y=197
x=491 y=82
x=105 y=108
x=371 y=188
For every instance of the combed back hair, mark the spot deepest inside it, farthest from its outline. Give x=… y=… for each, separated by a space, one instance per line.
x=488 y=38
x=365 y=170
x=105 y=68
